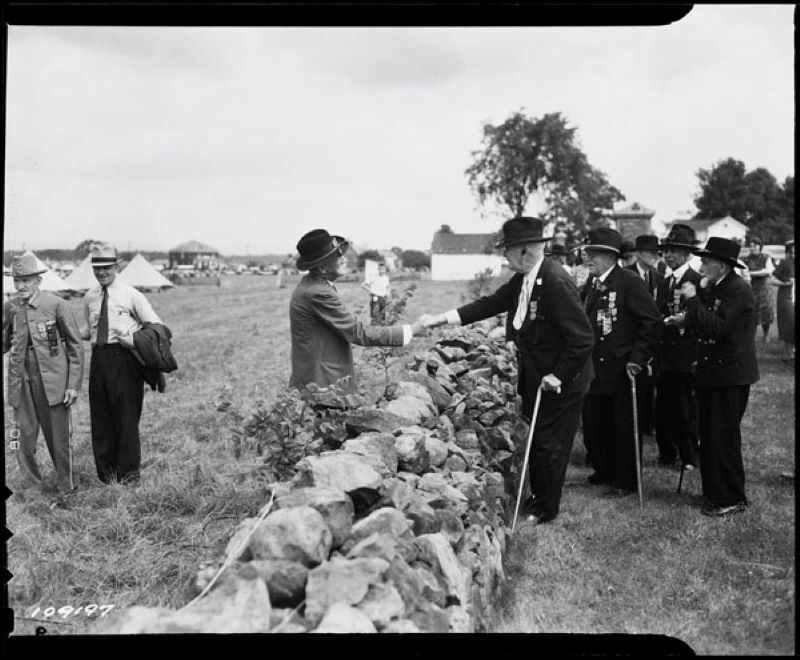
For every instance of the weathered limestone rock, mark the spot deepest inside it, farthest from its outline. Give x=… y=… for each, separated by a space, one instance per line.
x=411 y=452
x=287 y=620
x=455 y=463
x=437 y=451
x=459 y=620
x=450 y=525
x=397 y=494
x=338 y=469
x=430 y=618
x=383 y=546
x=407 y=582
x=441 y=397
x=422 y=516
x=497 y=334
x=411 y=388
x=285 y=580
x=401 y=626
x=297 y=534
x=382 y=604
x=409 y=477
x=385 y=520
x=239 y=604
x=433 y=590
x=467 y=439
x=341 y=580
x=435 y=549
x=341 y=618
x=333 y=504
x=238 y=549
x=412 y=408
x=374 y=419
x=377 y=445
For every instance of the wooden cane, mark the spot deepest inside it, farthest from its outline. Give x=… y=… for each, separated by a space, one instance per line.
x=632 y=378
x=527 y=451
x=680 y=478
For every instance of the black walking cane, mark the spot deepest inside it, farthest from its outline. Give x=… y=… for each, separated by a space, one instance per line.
x=632 y=378
x=680 y=478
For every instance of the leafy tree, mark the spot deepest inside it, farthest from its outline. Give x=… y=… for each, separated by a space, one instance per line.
x=415 y=259
x=85 y=247
x=525 y=157
x=754 y=198
x=373 y=255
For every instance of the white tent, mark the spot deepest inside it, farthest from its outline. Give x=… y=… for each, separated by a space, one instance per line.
x=140 y=273
x=82 y=278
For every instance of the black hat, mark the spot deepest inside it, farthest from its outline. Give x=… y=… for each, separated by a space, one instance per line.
x=647 y=242
x=626 y=248
x=755 y=239
x=723 y=249
x=317 y=246
x=522 y=229
x=604 y=238
x=558 y=250
x=682 y=236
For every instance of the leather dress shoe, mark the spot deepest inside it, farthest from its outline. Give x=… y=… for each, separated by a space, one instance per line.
x=722 y=511
x=616 y=491
x=539 y=518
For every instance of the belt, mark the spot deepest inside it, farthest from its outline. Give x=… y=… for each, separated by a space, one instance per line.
x=114 y=345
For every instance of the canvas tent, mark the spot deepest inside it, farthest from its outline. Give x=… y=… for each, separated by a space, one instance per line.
x=82 y=278
x=140 y=273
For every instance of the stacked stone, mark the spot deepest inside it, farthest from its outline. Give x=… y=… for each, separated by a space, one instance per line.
x=401 y=529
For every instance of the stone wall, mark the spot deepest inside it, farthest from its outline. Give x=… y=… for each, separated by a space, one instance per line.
x=401 y=529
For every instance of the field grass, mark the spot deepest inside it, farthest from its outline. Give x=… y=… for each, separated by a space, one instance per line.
x=723 y=586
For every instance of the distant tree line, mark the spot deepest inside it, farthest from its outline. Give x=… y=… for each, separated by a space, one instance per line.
x=753 y=197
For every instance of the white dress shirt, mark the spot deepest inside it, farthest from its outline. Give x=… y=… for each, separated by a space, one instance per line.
x=128 y=309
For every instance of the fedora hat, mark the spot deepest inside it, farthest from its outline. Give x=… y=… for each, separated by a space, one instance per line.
x=681 y=236
x=104 y=254
x=558 y=250
x=723 y=249
x=646 y=242
x=26 y=265
x=317 y=246
x=604 y=238
x=626 y=249
x=522 y=229
x=755 y=239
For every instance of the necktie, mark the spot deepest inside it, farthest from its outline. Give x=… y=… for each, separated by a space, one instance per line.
x=102 y=323
x=522 y=304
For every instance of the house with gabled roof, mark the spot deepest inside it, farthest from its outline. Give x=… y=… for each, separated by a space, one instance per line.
x=462 y=256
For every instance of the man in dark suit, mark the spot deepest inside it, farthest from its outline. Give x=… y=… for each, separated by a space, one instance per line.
x=322 y=328
x=547 y=323
x=724 y=315
x=676 y=408
x=646 y=251
x=627 y=328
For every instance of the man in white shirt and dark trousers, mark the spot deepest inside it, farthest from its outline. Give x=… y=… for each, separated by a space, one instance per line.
x=114 y=311
x=378 y=288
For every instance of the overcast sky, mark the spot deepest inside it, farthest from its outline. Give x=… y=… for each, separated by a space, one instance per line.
x=246 y=138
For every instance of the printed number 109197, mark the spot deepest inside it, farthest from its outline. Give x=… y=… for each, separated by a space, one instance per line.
x=68 y=610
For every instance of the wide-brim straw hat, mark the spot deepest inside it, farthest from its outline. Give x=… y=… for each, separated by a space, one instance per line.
x=103 y=254
x=26 y=265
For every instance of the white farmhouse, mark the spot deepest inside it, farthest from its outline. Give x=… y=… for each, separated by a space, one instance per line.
x=462 y=256
x=727 y=227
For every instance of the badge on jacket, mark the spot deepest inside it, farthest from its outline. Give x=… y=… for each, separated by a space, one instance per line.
x=533 y=307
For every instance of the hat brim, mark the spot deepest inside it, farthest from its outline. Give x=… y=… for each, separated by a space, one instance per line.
x=719 y=257
x=343 y=244
x=607 y=248
x=33 y=274
x=667 y=244
x=102 y=261
x=522 y=241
